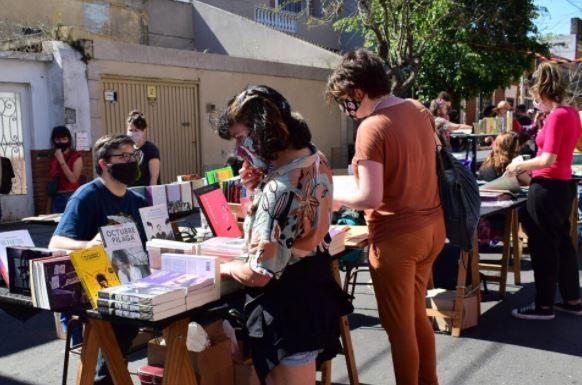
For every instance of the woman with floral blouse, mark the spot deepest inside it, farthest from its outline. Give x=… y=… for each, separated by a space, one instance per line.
x=293 y=303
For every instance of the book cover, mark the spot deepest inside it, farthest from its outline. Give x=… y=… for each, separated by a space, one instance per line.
x=156 y=195
x=156 y=222
x=197 y=183
x=186 y=196
x=174 y=198
x=220 y=218
x=125 y=250
x=19 y=258
x=189 y=282
x=206 y=268
x=156 y=247
x=143 y=293
x=61 y=286
x=224 y=247
x=11 y=238
x=219 y=174
x=94 y=270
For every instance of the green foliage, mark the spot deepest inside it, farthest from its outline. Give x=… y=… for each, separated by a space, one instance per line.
x=462 y=46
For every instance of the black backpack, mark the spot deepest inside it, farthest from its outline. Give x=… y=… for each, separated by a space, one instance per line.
x=460 y=199
x=7 y=175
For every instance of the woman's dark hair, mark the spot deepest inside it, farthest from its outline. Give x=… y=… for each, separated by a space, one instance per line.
x=273 y=127
x=137 y=119
x=358 y=69
x=488 y=112
x=61 y=132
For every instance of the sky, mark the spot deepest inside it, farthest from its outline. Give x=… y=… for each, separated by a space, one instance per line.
x=557 y=20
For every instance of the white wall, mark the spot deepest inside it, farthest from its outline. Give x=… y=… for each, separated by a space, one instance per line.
x=46 y=100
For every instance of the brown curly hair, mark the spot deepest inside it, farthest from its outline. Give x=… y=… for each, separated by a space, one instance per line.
x=505 y=149
x=358 y=69
x=549 y=82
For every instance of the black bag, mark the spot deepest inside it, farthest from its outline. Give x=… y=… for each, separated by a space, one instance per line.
x=459 y=198
x=52 y=186
x=7 y=175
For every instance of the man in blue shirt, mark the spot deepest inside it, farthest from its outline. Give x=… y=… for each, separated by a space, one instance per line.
x=106 y=200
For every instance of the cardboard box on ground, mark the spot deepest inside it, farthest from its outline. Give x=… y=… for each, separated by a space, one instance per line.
x=444 y=300
x=213 y=365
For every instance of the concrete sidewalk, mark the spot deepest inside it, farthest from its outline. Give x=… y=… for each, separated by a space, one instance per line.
x=500 y=350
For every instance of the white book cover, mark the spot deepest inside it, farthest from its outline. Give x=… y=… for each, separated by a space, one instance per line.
x=198 y=265
x=123 y=245
x=156 y=195
x=143 y=293
x=224 y=246
x=12 y=238
x=156 y=247
x=156 y=222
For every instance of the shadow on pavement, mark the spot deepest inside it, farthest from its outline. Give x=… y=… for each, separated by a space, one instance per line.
x=561 y=335
x=17 y=336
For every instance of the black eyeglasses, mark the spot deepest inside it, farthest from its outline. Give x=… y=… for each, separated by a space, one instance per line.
x=136 y=156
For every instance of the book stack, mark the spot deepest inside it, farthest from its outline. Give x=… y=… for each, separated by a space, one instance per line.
x=54 y=284
x=164 y=293
x=224 y=248
x=204 y=269
x=338 y=239
x=156 y=247
x=19 y=268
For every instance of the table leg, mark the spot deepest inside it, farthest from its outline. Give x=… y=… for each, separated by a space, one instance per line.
x=346 y=335
x=516 y=248
x=116 y=363
x=460 y=294
x=326 y=373
x=178 y=368
x=474 y=162
x=509 y=219
x=88 y=364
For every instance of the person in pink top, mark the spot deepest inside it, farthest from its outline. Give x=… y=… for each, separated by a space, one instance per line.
x=549 y=202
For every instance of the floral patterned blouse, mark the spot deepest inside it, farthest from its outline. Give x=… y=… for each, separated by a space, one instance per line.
x=290 y=217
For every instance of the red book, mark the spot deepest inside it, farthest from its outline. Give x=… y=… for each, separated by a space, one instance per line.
x=217 y=212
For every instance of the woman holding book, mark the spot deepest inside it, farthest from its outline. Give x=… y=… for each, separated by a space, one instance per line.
x=149 y=164
x=549 y=202
x=395 y=169
x=293 y=302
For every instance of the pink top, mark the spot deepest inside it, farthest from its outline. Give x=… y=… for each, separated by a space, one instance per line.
x=559 y=136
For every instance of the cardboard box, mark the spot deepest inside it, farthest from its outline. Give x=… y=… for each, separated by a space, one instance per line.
x=213 y=366
x=245 y=374
x=444 y=300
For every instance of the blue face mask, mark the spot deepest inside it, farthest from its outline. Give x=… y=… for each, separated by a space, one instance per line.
x=248 y=152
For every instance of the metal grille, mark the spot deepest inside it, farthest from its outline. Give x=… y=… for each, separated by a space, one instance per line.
x=11 y=142
x=172 y=117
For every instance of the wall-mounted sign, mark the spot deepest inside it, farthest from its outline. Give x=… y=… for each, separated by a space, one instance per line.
x=110 y=96
x=152 y=93
x=82 y=141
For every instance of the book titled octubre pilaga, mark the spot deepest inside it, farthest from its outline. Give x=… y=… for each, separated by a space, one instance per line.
x=94 y=270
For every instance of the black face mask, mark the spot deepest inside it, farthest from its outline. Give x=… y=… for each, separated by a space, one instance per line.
x=126 y=173
x=62 y=146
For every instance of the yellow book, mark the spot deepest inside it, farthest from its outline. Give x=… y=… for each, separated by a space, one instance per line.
x=94 y=270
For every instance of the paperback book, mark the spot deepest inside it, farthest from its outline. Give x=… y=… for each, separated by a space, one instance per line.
x=11 y=238
x=153 y=315
x=156 y=247
x=125 y=250
x=156 y=195
x=55 y=285
x=94 y=270
x=174 y=198
x=143 y=293
x=103 y=304
x=19 y=258
x=156 y=222
x=223 y=247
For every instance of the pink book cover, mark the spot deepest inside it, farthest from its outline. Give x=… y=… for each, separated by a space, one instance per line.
x=215 y=207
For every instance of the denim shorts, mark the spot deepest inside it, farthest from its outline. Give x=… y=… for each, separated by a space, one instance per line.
x=300 y=359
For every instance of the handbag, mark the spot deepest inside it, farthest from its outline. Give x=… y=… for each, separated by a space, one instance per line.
x=52 y=186
x=460 y=198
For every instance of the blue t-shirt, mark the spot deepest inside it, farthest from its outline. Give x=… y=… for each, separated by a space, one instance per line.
x=93 y=206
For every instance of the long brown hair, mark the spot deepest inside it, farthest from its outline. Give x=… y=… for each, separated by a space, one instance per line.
x=504 y=150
